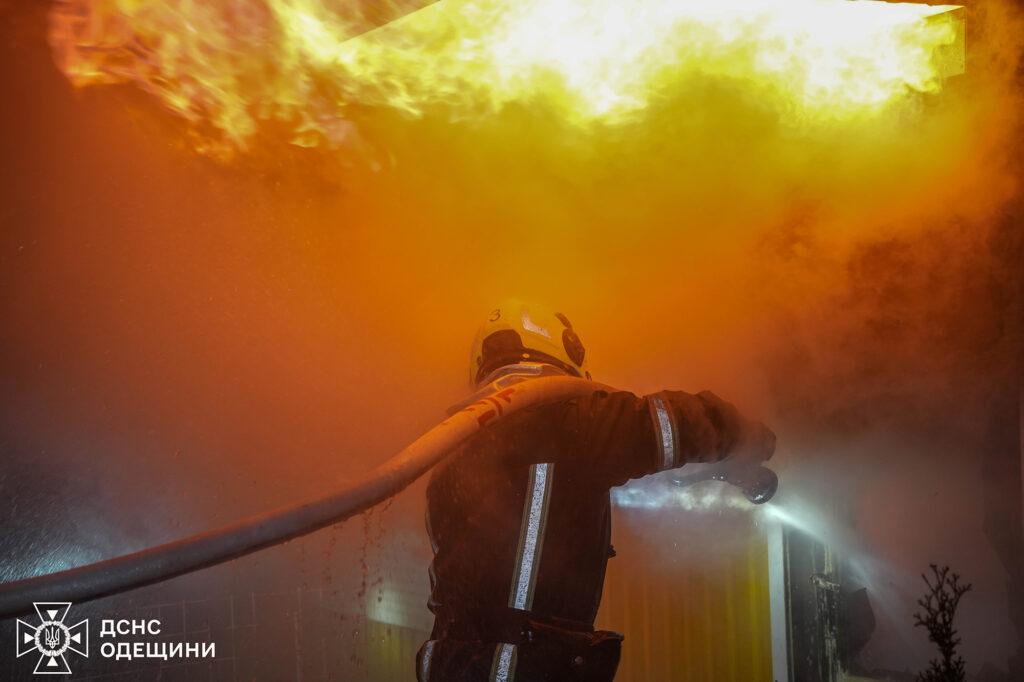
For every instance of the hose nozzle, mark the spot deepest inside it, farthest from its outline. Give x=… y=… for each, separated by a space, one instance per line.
x=758 y=483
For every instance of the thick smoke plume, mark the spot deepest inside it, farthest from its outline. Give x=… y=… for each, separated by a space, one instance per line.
x=194 y=339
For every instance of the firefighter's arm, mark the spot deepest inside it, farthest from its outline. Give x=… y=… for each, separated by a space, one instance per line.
x=705 y=428
x=621 y=436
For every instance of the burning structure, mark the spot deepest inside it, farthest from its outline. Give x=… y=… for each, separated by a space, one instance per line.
x=803 y=202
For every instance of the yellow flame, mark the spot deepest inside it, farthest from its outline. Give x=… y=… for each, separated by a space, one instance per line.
x=230 y=64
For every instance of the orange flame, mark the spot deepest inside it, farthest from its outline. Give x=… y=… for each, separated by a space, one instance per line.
x=228 y=65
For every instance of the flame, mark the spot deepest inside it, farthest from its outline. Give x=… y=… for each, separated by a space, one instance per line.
x=231 y=66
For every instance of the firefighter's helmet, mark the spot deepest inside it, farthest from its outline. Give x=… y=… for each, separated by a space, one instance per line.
x=517 y=332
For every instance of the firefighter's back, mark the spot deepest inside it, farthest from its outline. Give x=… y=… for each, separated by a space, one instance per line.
x=520 y=534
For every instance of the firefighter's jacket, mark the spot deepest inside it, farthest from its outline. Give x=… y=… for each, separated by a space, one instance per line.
x=519 y=521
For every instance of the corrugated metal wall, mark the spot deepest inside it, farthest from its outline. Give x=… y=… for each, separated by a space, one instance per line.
x=688 y=590
x=391 y=652
x=692 y=620
x=697 y=612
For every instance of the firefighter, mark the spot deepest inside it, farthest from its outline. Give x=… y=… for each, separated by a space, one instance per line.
x=519 y=516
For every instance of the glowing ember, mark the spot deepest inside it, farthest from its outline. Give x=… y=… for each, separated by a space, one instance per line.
x=227 y=65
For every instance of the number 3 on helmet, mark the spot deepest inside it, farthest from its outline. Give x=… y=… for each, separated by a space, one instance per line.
x=516 y=332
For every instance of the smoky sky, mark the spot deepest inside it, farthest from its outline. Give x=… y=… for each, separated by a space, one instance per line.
x=186 y=340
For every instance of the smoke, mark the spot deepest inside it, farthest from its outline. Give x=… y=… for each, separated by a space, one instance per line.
x=892 y=378
x=197 y=340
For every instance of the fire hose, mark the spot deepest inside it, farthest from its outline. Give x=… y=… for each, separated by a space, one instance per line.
x=103 y=578
x=218 y=545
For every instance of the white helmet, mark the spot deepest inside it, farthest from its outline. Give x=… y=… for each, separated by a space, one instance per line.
x=518 y=332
